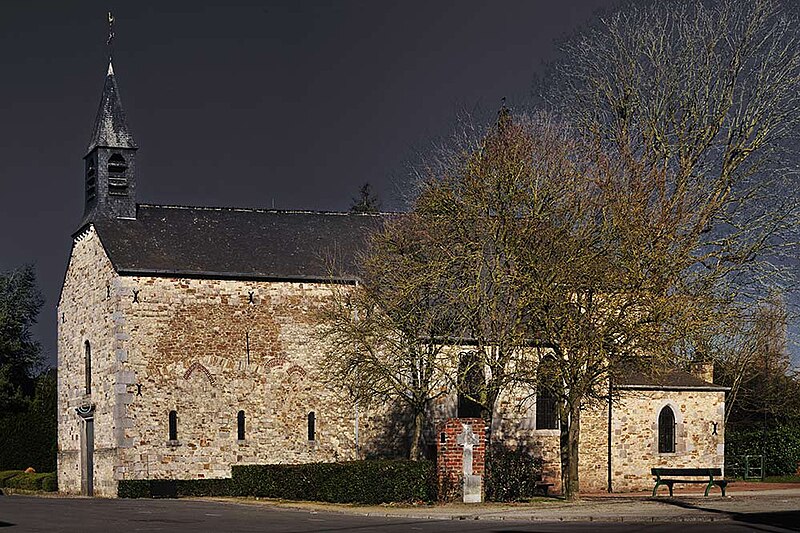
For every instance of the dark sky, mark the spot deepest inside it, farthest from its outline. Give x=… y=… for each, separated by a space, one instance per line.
x=292 y=104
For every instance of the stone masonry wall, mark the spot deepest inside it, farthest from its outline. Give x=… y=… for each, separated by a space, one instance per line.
x=208 y=349
x=86 y=313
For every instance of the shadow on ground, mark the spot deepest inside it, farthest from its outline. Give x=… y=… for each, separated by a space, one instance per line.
x=789 y=520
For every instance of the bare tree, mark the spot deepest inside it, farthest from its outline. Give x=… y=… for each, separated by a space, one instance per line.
x=382 y=336
x=754 y=361
x=699 y=104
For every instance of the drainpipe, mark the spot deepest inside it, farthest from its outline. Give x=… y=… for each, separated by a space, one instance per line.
x=610 y=489
x=356 y=430
x=355 y=406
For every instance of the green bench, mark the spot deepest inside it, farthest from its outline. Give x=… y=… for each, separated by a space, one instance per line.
x=711 y=476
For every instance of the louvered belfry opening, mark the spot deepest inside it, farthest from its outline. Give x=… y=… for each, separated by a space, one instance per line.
x=117 y=176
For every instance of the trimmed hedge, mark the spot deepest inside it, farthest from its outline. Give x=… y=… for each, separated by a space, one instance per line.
x=17 y=479
x=512 y=474
x=144 y=488
x=372 y=481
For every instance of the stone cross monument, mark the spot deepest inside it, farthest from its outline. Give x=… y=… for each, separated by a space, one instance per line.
x=461 y=455
x=472 y=483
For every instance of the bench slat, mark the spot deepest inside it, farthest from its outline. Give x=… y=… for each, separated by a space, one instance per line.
x=686 y=471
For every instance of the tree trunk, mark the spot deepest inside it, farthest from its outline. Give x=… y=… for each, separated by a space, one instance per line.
x=415 y=454
x=570 y=435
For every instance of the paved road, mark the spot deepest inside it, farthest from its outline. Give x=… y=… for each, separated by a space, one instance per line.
x=31 y=514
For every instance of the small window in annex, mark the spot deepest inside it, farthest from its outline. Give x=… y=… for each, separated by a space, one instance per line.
x=312 y=426
x=240 y=425
x=666 y=430
x=87 y=366
x=173 y=425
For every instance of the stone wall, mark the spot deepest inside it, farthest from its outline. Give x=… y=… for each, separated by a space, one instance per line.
x=86 y=312
x=208 y=349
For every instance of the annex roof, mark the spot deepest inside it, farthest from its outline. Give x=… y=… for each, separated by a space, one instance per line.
x=673 y=380
x=237 y=243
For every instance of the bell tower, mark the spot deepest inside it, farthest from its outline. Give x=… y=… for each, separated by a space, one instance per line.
x=110 y=163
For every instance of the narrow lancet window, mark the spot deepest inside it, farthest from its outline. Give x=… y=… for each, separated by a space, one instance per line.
x=546 y=409
x=87 y=362
x=240 y=425
x=546 y=402
x=312 y=426
x=666 y=430
x=173 y=425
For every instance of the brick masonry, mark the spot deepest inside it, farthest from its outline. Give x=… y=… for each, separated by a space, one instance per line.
x=450 y=459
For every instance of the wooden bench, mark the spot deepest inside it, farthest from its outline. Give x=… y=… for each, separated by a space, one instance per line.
x=708 y=473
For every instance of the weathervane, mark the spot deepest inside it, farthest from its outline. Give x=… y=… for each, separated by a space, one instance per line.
x=110 y=35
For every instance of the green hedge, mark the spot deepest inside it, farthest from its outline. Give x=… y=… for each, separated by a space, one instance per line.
x=781 y=447
x=17 y=479
x=29 y=438
x=512 y=474
x=373 y=481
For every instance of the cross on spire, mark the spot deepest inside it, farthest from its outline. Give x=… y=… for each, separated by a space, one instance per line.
x=110 y=40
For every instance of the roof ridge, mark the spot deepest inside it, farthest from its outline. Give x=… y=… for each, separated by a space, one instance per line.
x=259 y=210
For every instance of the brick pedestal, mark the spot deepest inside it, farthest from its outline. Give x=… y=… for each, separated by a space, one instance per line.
x=450 y=456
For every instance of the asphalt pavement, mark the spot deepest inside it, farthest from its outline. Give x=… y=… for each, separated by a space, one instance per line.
x=770 y=511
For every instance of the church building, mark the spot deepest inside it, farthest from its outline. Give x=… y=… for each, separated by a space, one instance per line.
x=186 y=345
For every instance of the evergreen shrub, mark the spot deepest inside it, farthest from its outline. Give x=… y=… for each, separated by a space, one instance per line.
x=512 y=474
x=17 y=479
x=780 y=446
x=371 y=481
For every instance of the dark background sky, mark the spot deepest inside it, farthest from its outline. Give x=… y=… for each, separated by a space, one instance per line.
x=290 y=104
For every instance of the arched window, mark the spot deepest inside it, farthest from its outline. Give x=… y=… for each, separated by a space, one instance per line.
x=471 y=382
x=546 y=412
x=312 y=426
x=546 y=405
x=666 y=430
x=87 y=366
x=173 y=425
x=240 y=425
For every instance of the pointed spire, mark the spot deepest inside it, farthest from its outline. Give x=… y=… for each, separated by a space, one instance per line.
x=110 y=127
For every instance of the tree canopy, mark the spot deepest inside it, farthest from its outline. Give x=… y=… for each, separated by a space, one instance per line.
x=20 y=354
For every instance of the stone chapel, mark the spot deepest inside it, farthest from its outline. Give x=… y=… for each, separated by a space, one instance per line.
x=186 y=346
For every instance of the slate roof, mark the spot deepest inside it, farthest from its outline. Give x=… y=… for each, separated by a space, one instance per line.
x=110 y=126
x=237 y=243
x=675 y=380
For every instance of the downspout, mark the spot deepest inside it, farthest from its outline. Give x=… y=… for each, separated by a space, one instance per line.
x=610 y=488
x=355 y=406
